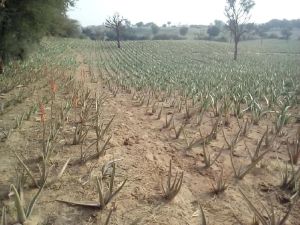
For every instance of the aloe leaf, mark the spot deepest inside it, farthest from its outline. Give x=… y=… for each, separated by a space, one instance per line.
x=91 y=204
x=20 y=210
x=3 y=217
x=34 y=199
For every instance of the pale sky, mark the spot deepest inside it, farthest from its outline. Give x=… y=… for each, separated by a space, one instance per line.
x=94 y=12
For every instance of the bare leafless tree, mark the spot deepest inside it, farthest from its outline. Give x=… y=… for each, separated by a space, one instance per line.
x=115 y=23
x=238 y=15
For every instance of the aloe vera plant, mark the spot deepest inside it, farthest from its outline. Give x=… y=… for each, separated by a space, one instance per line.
x=179 y=130
x=104 y=196
x=168 y=120
x=241 y=172
x=282 y=118
x=255 y=155
x=22 y=213
x=290 y=179
x=172 y=188
x=272 y=218
x=208 y=161
x=294 y=149
x=44 y=172
x=220 y=185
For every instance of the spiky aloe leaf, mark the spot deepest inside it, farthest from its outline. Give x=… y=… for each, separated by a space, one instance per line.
x=203 y=219
x=108 y=217
x=63 y=169
x=116 y=191
x=91 y=204
x=107 y=126
x=100 y=194
x=3 y=217
x=27 y=170
x=253 y=208
x=172 y=189
x=18 y=204
x=34 y=199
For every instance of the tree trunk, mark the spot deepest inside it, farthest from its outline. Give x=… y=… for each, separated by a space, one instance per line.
x=236 y=42
x=118 y=38
x=1 y=65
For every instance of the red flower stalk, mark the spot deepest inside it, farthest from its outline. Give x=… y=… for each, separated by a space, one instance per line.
x=53 y=86
x=75 y=101
x=42 y=113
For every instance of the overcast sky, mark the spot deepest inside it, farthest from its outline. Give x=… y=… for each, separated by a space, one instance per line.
x=94 y=12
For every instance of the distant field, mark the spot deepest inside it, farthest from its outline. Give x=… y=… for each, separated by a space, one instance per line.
x=191 y=65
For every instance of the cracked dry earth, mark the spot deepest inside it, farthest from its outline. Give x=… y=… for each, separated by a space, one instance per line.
x=143 y=149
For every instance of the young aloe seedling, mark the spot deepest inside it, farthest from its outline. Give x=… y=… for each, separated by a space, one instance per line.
x=294 y=149
x=172 y=188
x=179 y=130
x=207 y=157
x=220 y=185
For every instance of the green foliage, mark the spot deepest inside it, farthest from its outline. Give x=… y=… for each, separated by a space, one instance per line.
x=139 y=24
x=286 y=33
x=154 y=28
x=213 y=31
x=183 y=30
x=23 y=23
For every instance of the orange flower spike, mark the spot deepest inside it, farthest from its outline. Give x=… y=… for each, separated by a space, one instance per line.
x=53 y=86
x=75 y=101
x=42 y=113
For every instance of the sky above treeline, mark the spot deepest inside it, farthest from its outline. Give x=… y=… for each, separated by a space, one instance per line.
x=94 y=12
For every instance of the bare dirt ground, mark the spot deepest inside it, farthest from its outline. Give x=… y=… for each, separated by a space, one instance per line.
x=143 y=148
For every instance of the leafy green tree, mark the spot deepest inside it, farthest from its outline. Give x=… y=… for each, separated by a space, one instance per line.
x=286 y=33
x=183 y=31
x=261 y=32
x=23 y=23
x=213 y=31
x=116 y=24
x=154 y=29
x=238 y=16
x=139 y=24
x=220 y=24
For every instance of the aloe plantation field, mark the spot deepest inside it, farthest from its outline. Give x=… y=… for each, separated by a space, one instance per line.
x=157 y=132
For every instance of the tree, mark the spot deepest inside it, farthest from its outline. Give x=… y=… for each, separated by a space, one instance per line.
x=116 y=24
x=238 y=15
x=23 y=23
x=261 y=32
x=213 y=31
x=154 y=29
x=139 y=24
x=286 y=33
x=169 y=23
x=220 y=24
x=183 y=31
